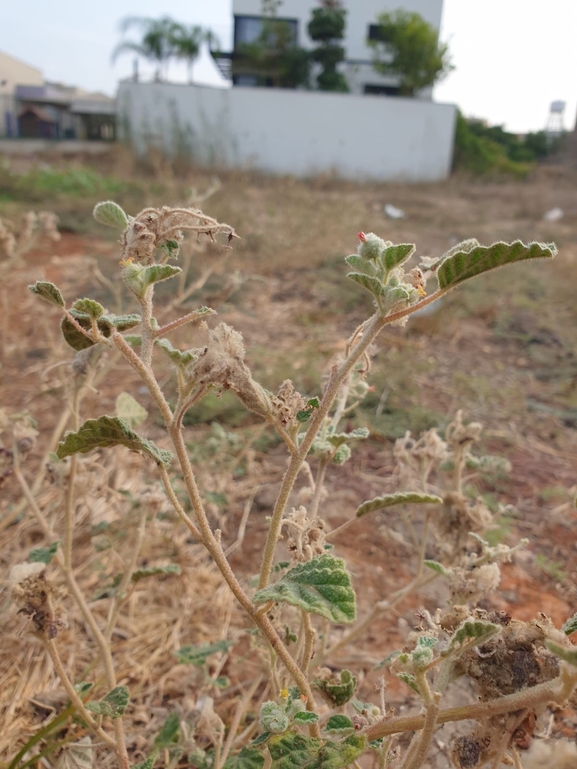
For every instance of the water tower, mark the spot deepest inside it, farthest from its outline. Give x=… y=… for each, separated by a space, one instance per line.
x=554 y=125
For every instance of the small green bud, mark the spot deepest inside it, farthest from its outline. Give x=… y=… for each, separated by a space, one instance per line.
x=110 y=214
x=371 y=246
x=273 y=718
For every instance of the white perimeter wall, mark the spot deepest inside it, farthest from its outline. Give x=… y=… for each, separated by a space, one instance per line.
x=302 y=133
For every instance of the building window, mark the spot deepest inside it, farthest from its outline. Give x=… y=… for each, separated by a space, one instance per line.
x=380 y=90
x=375 y=33
x=247 y=29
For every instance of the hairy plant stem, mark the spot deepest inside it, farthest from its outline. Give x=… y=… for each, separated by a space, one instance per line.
x=147 y=331
x=309 y=644
x=145 y=373
x=319 y=481
x=558 y=689
x=213 y=546
x=207 y=536
x=420 y=744
x=69 y=507
x=338 y=376
x=180 y=511
x=188 y=318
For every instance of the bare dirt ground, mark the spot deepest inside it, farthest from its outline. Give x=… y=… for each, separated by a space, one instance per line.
x=502 y=349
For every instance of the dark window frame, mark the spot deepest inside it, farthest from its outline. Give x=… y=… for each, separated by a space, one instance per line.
x=292 y=21
x=377 y=89
x=374 y=34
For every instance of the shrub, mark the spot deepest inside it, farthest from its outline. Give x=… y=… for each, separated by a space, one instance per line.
x=297 y=609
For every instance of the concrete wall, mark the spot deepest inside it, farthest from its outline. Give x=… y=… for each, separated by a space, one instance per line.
x=292 y=132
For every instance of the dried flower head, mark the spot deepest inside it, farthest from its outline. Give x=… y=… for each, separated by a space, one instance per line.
x=163 y=229
x=37 y=598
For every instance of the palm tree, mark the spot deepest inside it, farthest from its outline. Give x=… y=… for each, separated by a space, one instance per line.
x=157 y=43
x=187 y=41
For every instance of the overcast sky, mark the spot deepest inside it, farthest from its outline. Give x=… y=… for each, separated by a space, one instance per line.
x=512 y=57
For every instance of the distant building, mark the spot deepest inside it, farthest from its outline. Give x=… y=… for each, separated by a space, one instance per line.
x=31 y=108
x=361 y=26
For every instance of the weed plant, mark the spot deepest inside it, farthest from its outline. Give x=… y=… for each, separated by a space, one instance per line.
x=300 y=710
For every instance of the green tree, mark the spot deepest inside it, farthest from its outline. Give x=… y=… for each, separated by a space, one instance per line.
x=187 y=41
x=274 y=57
x=408 y=47
x=326 y=27
x=157 y=43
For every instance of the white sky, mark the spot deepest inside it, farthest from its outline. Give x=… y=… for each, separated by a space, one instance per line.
x=512 y=57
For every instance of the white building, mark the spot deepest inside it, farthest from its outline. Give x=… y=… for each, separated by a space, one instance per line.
x=361 y=26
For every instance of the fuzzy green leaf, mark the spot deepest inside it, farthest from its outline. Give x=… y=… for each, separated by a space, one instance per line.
x=468 y=635
x=138 y=277
x=47 y=291
x=569 y=655
x=119 y=322
x=169 y=733
x=337 y=694
x=43 y=554
x=148 y=763
x=338 y=439
x=570 y=626
x=295 y=751
x=320 y=586
x=72 y=336
x=109 y=431
x=178 y=357
x=246 y=759
x=89 y=307
x=113 y=705
x=82 y=687
x=438 y=567
x=389 y=659
x=464 y=264
x=410 y=680
x=260 y=739
x=106 y=323
x=401 y=498
x=359 y=264
x=373 y=285
x=111 y=214
x=273 y=718
x=130 y=410
x=396 y=255
x=149 y=571
x=341 y=455
x=156 y=273
x=305 y=717
x=339 y=724
x=198 y=654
